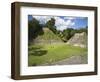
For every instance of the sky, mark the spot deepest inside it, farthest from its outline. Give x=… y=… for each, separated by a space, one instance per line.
x=63 y=22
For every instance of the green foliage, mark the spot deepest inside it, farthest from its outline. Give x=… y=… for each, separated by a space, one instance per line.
x=50 y=23
x=68 y=33
x=34 y=29
x=83 y=30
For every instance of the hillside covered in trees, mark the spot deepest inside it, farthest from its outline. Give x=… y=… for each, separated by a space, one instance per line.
x=36 y=29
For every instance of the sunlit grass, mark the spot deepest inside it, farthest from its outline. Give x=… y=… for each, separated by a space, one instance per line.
x=49 y=53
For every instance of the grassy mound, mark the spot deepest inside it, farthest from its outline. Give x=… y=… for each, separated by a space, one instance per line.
x=79 y=39
x=47 y=36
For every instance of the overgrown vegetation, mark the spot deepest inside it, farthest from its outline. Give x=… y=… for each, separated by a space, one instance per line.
x=39 y=54
x=35 y=29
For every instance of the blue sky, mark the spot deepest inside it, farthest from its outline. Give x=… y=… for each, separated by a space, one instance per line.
x=30 y=17
x=63 y=22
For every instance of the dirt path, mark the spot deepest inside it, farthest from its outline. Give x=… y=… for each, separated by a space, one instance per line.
x=80 y=59
x=73 y=60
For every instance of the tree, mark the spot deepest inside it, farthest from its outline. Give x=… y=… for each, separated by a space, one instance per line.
x=50 y=23
x=82 y=30
x=34 y=28
x=68 y=33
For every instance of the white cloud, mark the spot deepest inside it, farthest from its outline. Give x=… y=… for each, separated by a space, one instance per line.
x=69 y=18
x=73 y=23
x=60 y=23
x=42 y=19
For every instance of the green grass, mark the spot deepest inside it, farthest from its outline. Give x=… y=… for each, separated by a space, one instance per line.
x=49 y=53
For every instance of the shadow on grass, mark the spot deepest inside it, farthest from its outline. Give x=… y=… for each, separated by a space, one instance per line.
x=37 y=51
x=34 y=48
